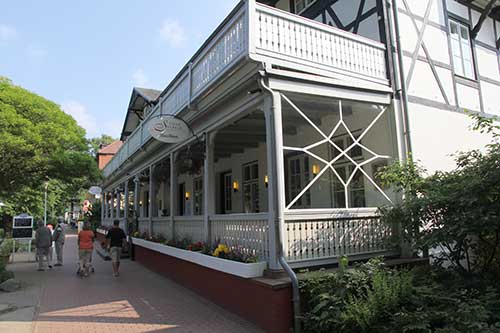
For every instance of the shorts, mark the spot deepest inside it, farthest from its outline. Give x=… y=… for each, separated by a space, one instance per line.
x=85 y=254
x=115 y=253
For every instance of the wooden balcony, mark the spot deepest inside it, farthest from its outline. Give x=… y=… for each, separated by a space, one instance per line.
x=258 y=33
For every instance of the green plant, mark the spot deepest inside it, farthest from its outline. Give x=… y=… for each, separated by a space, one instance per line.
x=381 y=297
x=455 y=212
x=5 y=275
x=372 y=298
x=7 y=246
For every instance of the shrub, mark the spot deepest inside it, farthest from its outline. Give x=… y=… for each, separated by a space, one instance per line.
x=371 y=298
x=456 y=212
x=5 y=275
x=6 y=246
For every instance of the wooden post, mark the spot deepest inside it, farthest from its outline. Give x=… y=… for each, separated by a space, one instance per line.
x=111 y=210
x=117 y=196
x=151 y=199
x=173 y=191
x=208 y=184
x=276 y=187
x=125 y=206
x=102 y=207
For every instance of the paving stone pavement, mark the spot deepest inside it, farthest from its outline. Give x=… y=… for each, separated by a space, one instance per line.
x=138 y=301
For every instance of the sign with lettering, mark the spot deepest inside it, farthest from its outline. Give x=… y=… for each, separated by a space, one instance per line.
x=22 y=226
x=169 y=129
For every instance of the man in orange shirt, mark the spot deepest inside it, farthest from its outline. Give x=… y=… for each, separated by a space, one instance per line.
x=85 y=247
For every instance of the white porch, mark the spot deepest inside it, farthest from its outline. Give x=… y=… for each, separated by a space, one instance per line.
x=280 y=159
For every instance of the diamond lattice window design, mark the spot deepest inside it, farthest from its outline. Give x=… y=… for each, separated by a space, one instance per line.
x=353 y=174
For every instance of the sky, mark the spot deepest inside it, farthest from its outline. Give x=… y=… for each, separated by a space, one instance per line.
x=88 y=55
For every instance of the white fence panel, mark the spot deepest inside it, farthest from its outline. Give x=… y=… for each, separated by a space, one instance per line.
x=246 y=232
x=143 y=225
x=161 y=226
x=189 y=227
x=307 y=239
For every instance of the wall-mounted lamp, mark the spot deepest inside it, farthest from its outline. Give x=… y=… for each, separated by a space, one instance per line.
x=140 y=203
x=187 y=195
x=236 y=186
x=266 y=181
x=315 y=169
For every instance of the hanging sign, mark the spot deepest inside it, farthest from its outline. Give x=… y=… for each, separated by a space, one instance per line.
x=95 y=190
x=169 y=129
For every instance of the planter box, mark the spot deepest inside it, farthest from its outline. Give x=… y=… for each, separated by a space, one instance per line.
x=244 y=270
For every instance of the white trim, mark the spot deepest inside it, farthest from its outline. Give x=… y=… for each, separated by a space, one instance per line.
x=244 y=270
x=382 y=97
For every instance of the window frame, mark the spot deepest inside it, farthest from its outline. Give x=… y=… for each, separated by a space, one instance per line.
x=461 y=23
x=227 y=188
x=307 y=4
x=253 y=184
x=198 y=195
x=304 y=202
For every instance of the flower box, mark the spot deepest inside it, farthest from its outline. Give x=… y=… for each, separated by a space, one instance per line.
x=245 y=270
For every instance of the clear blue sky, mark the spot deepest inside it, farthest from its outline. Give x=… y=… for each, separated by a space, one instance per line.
x=87 y=55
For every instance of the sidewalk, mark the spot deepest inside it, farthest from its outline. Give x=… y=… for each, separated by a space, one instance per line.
x=137 y=301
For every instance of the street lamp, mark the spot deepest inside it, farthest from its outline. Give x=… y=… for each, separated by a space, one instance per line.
x=45 y=204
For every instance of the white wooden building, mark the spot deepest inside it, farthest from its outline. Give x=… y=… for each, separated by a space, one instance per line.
x=294 y=106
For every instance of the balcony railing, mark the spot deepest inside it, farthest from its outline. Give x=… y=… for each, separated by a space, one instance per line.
x=262 y=34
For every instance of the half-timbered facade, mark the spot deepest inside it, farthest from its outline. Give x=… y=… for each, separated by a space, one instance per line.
x=294 y=106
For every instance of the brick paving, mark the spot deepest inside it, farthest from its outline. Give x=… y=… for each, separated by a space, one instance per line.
x=138 y=301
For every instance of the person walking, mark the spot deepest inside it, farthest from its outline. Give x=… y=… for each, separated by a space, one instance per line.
x=51 y=248
x=43 y=241
x=116 y=240
x=85 y=247
x=58 y=237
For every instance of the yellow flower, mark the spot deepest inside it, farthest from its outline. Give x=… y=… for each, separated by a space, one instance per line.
x=221 y=248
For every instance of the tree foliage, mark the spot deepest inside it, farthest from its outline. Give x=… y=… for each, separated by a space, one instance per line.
x=95 y=143
x=456 y=213
x=40 y=143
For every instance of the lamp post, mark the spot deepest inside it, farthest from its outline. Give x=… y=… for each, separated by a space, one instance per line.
x=45 y=204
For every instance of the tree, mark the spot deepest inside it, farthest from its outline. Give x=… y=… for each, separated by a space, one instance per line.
x=95 y=143
x=40 y=143
x=457 y=212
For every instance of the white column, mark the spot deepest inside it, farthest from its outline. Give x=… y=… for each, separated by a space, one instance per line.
x=111 y=202
x=151 y=199
x=276 y=188
x=136 y=197
x=102 y=208
x=125 y=206
x=117 y=192
x=173 y=191
x=208 y=184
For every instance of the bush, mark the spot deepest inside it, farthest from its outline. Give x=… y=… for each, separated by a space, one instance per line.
x=372 y=298
x=6 y=246
x=457 y=212
x=5 y=275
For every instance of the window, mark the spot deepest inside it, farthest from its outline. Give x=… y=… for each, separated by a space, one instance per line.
x=345 y=141
x=461 y=49
x=301 y=5
x=227 y=203
x=251 y=187
x=146 y=204
x=198 y=196
x=298 y=178
x=356 y=188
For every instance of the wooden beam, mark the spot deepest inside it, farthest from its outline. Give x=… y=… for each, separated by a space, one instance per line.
x=484 y=15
